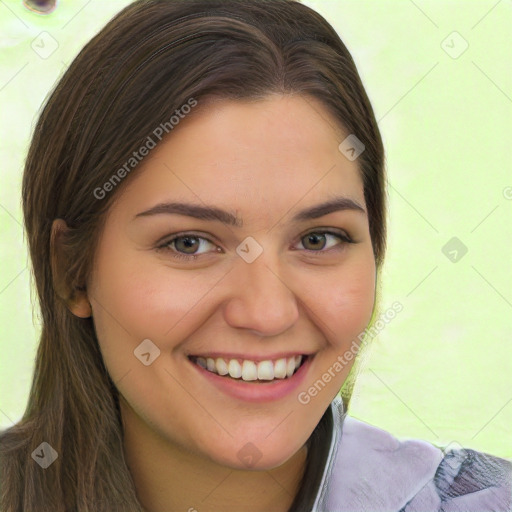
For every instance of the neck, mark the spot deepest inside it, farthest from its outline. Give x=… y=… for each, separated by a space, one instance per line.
x=170 y=477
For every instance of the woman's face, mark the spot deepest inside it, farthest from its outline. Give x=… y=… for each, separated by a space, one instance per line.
x=258 y=282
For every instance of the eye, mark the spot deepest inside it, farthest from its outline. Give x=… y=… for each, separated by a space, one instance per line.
x=315 y=241
x=185 y=246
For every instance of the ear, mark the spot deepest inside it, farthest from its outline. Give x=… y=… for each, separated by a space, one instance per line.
x=75 y=297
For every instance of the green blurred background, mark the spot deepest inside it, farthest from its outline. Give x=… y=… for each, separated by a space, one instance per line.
x=439 y=76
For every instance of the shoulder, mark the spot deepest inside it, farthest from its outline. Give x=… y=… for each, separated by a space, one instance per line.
x=372 y=470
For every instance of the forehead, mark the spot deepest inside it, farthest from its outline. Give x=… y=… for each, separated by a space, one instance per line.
x=250 y=155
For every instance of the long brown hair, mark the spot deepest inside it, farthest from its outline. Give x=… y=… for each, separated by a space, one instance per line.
x=147 y=62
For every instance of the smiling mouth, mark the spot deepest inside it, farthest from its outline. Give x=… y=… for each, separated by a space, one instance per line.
x=251 y=371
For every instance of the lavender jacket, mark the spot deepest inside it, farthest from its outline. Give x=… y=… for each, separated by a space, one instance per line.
x=370 y=470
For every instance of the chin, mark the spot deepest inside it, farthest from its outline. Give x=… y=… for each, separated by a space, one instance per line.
x=254 y=456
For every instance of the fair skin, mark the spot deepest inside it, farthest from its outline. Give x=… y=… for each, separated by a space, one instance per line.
x=264 y=161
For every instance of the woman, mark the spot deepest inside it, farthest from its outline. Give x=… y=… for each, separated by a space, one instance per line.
x=205 y=208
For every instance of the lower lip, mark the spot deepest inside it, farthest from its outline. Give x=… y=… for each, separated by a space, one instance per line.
x=256 y=391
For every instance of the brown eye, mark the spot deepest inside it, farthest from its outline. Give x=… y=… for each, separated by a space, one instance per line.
x=316 y=241
x=186 y=244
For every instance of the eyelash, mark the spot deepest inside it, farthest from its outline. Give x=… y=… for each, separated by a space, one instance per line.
x=165 y=246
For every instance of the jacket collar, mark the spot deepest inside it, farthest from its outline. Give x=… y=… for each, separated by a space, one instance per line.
x=369 y=469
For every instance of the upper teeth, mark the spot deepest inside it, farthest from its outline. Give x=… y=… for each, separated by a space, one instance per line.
x=251 y=370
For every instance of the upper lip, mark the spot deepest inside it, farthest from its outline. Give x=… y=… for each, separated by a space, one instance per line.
x=258 y=357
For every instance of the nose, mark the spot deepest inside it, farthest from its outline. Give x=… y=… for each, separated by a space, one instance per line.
x=260 y=299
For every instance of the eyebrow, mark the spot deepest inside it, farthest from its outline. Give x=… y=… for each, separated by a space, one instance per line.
x=213 y=213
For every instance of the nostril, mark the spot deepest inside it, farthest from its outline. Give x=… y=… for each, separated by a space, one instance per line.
x=40 y=6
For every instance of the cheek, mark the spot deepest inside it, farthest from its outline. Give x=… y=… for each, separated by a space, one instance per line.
x=344 y=301
x=135 y=298
x=123 y=297
x=139 y=299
